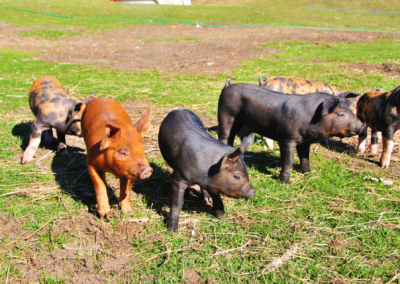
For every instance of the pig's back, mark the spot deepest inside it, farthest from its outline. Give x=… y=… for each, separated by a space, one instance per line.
x=297 y=86
x=182 y=138
x=105 y=110
x=97 y=114
x=47 y=95
x=266 y=112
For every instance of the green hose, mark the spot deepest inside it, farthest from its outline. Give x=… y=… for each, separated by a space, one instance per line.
x=196 y=24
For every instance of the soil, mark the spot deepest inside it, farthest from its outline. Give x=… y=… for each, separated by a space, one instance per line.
x=174 y=48
x=387 y=68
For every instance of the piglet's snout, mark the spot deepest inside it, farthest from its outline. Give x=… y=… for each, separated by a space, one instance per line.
x=251 y=193
x=361 y=125
x=248 y=192
x=145 y=171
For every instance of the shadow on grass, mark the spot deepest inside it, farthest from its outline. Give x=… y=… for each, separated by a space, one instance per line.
x=341 y=147
x=338 y=146
x=156 y=191
x=22 y=130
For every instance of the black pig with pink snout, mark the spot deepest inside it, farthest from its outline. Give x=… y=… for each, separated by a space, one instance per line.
x=294 y=121
x=198 y=158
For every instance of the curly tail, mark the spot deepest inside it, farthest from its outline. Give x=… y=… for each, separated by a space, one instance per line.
x=228 y=82
x=262 y=81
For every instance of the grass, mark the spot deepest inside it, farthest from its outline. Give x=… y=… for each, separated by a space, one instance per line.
x=49 y=34
x=287 y=12
x=331 y=215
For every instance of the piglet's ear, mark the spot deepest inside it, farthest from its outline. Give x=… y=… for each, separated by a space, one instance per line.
x=246 y=142
x=112 y=133
x=230 y=158
x=75 y=109
x=394 y=97
x=329 y=105
x=349 y=97
x=89 y=98
x=144 y=123
x=235 y=154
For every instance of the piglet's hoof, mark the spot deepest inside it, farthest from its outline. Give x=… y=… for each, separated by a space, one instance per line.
x=219 y=214
x=385 y=159
x=373 y=148
x=126 y=209
x=103 y=215
x=207 y=198
x=172 y=228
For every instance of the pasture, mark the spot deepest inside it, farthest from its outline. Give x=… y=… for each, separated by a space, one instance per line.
x=334 y=225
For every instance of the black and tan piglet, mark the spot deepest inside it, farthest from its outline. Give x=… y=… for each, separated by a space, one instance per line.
x=198 y=158
x=54 y=108
x=292 y=120
x=380 y=111
x=295 y=86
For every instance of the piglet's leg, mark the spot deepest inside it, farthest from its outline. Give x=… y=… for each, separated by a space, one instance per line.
x=373 y=147
x=178 y=188
x=36 y=130
x=387 y=139
x=218 y=205
x=304 y=155
x=124 y=195
x=269 y=143
x=287 y=157
x=98 y=178
x=206 y=196
x=48 y=135
x=62 y=147
x=362 y=140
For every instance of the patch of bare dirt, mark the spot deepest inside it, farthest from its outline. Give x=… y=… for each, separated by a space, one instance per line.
x=387 y=68
x=79 y=261
x=178 y=48
x=192 y=276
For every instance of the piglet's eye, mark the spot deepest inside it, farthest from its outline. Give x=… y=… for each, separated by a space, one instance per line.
x=237 y=177
x=340 y=114
x=123 y=152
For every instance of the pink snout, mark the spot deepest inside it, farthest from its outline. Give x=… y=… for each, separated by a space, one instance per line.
x=146 y=172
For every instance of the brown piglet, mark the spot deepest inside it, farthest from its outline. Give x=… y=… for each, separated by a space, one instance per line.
x=114 y=145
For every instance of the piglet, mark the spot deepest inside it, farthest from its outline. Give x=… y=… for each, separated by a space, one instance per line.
x=295 y=86
x=298 y=86
x=292 y=120
x=198 y=158
x=53 y=107
x=114 y=145
x=380 y=111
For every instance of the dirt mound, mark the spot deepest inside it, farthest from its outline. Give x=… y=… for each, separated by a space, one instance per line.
x=387 y=68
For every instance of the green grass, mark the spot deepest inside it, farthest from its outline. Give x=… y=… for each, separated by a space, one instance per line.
x=281 y=13
x=330 y=214
x=49 y=34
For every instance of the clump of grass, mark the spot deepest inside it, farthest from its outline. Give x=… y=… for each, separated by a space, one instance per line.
x=49 y=34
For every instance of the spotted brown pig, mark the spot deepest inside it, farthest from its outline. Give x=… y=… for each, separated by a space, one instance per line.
x=380 y=111
x=53 y=107
x=295 y=86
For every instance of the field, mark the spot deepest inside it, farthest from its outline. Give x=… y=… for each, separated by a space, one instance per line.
x=334 y=225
